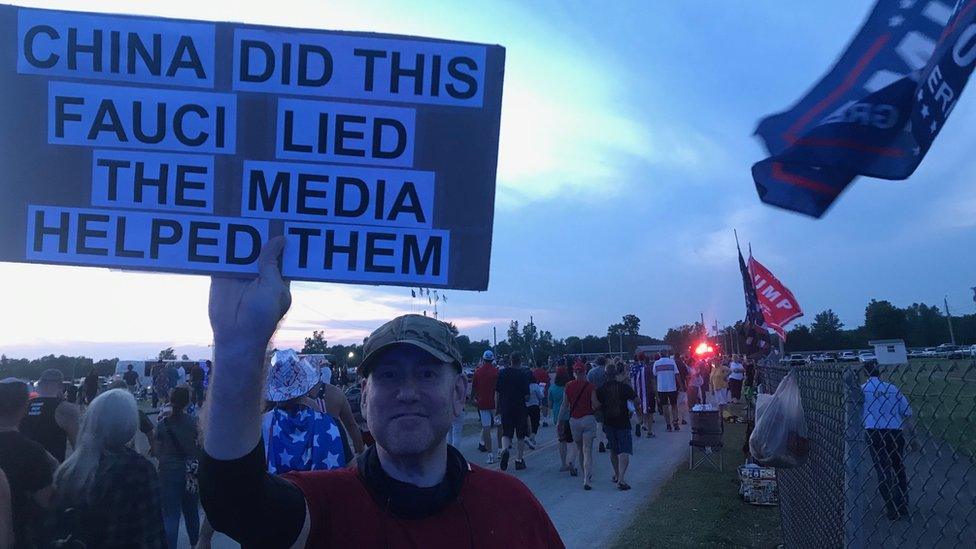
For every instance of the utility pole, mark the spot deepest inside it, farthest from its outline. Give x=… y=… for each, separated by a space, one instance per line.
x=532 y=343
x=494 y=335
x=952 y=335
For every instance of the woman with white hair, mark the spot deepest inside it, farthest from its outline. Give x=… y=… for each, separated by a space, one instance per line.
x=107 y=493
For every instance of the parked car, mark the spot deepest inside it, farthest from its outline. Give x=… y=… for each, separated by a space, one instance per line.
x=797 y=359
x=963 y=351
x=864 y=356
x=916 y=353
x=930 y=352
x=848 y=356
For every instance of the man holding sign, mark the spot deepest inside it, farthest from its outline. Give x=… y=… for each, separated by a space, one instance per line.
x=410 y=489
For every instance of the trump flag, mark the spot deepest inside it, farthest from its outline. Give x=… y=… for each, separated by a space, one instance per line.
x=778 y=305
x=877 y=111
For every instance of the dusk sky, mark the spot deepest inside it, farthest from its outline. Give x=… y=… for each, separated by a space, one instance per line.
x=626 y=144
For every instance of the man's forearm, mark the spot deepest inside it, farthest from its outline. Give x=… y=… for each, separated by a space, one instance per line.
x=232 y=421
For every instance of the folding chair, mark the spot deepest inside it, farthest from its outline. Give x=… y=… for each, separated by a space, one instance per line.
x=707 y=454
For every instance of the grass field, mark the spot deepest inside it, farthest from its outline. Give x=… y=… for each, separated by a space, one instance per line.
x=702 y=508
x=943 y=398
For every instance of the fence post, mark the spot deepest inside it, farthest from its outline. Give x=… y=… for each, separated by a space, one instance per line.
x=853 y=450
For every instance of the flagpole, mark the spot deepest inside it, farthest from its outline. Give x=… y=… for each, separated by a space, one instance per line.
x=952 y=335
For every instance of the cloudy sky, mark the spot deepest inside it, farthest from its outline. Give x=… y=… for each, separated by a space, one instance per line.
x=624 y=166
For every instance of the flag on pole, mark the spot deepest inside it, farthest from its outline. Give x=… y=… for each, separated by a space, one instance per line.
x=754 y=327
x=776 y=301
x=413 y=293
x=876 y=112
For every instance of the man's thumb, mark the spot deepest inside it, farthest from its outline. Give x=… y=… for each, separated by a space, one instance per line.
x=268 y=259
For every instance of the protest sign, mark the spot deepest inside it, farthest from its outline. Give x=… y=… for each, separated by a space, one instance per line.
x=183 y=146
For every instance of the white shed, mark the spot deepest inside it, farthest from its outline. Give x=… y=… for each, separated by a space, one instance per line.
x=890 y=351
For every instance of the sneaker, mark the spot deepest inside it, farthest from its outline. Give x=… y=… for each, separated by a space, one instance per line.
x=530 y=443
x=491 y=459
x=677 y=427
x=498 y=456
x=637 y=430
x=504 y=460
x=573 y=471
x=684 y=422
x=481 y=447
x=603 y=448
x=519 y=464
x=669 y=428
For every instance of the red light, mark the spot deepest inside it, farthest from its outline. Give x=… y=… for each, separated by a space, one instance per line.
x=704 y=349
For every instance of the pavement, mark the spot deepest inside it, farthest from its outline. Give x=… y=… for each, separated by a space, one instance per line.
x=584 y=519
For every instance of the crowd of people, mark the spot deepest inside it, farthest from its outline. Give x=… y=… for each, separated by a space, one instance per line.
x=283 y=457
x=72 y=473
x=63 y=459
x=604 y=403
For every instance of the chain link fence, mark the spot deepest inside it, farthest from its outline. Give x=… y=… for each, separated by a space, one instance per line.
x=901 y=475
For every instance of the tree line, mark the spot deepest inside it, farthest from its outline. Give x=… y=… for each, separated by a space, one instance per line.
x=920 y=325
x=72 y=367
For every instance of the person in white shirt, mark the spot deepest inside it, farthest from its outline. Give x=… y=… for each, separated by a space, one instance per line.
x=533 y=406
x=887 y=414
x=737 y=373
x=666 y=373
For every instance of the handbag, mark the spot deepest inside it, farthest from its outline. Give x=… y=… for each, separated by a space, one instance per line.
x=192 y=483
x=564 y=432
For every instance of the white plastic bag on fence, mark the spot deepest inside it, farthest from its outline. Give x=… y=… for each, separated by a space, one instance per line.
x=779 y=438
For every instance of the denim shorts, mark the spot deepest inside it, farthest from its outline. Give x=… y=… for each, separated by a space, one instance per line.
x=620 y=439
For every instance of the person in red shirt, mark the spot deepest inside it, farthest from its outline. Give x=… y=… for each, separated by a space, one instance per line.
x=410 y=489
x=483 y=389
x=579 y=403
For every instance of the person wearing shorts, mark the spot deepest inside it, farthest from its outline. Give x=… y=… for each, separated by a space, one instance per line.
x=666 y=374
x=613 y=398
x=511 y=392
x=483 y=391
x=737 y=373
x=579 y=405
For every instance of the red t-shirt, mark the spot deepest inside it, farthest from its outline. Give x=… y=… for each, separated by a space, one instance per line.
x=584 y=406
x=483 y=386
x=493 y=510
x=541 y=376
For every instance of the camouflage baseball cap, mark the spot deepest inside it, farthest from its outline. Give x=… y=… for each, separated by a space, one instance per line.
x=423 y=332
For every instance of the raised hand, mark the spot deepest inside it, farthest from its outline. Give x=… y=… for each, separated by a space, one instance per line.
x=244 y=313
